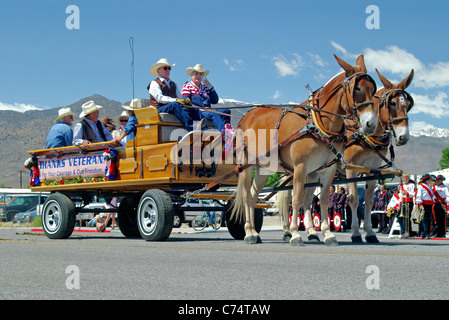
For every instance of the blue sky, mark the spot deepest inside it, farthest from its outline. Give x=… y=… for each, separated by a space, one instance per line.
x=257 y=51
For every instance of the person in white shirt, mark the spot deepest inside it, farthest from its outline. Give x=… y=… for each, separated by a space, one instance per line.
x=424 y=199
x=166 y=97
x=441 y=193
x=90 y=129
x=407 y=191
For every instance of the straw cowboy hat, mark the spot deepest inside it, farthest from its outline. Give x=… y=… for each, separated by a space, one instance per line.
x=108 y=123
x=197 y=68
x=124 y=114
x=133 y=105
x=161 y=63
x=88 y=108
x=63 y=112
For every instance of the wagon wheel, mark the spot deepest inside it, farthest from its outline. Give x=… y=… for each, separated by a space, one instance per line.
x=127 y=218
x=58 y=216
x=237 y=228
x=155 y=215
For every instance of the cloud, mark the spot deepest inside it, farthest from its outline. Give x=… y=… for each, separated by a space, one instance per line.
x=400 y=62
x=288 y=67
x=277 y=94
x=342 y=50
x=317 y=59
x=437 y=107
x=236 y=65
x=19 y=107
x=417 y=126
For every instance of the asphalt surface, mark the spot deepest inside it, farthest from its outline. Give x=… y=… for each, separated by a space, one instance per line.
x=212 y=265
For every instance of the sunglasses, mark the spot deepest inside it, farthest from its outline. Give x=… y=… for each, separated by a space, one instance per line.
x=167 y=68
x=123 y=120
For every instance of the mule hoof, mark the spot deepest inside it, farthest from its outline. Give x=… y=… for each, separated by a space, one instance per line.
x=371 y=239
x=313 y=237
x=331 y=242
x=258 y=239
x=287 y=236
x=356 y=239
x=296 y=242
x=250 y=240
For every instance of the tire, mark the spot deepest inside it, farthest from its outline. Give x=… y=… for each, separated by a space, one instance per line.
x=10 y=215
x=217 y=223
x=127 y=218
x=58 y=216
x=177 y=221
x=199 y=223
x=237 y=228
x=155 y=215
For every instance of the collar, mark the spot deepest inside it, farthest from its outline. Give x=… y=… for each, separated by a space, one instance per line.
x=90 y=121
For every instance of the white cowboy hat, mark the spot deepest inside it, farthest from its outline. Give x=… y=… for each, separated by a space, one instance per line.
x=88 y=108
x=63 y=112
x=133 y=105
x=124 y=114
x=197 y=68
x=161 y=63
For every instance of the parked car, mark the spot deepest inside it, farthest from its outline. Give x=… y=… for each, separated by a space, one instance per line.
x=21 y=203
x=5 y=199
x=28 y=215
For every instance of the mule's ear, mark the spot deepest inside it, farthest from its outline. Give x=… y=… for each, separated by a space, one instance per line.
x=361 y=63
x=387 y=84
x=348 y=69
x=406 y=82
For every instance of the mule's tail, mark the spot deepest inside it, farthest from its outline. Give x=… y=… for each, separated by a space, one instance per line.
x=237 y=208
x=283 y=200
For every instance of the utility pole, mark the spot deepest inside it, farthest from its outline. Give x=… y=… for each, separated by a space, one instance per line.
x=20 y=177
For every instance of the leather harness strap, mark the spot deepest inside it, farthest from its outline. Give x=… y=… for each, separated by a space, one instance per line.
x=313 y=127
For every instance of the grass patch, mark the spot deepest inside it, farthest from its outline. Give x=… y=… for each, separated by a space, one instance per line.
x=36 y=223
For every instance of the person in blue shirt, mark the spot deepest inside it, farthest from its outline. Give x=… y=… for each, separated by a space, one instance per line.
x=61 y=133
x=129 y=131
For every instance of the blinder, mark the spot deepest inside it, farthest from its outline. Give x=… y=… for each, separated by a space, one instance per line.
x=391 y=93
x=356 y=77
x=351 y=83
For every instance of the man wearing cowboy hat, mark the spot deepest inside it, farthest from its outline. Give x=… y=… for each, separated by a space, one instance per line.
x=90 y=129
x=61 y=134
x=202 y=94
x=407 y=191
x=165 y=95
x=424 y=199
x=441 y=193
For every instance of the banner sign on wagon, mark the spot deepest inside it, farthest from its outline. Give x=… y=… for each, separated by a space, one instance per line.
x=87 y=165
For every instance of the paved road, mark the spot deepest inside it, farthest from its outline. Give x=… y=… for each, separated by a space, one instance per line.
x=212 y=265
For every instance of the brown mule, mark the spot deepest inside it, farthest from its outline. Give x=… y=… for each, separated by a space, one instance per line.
x=308 y=139
x=392 y=104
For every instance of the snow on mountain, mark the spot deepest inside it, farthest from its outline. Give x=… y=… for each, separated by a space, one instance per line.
x=420 y=129
x=233 y=102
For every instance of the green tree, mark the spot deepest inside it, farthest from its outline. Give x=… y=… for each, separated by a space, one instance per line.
x=444 y=162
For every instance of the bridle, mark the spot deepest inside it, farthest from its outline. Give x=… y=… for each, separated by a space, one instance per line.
x=385 y=100
x=348 y=86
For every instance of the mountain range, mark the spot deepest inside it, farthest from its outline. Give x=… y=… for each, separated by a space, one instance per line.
x=26 y=131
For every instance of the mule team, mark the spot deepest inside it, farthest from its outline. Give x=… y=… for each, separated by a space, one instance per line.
x=347 y=119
